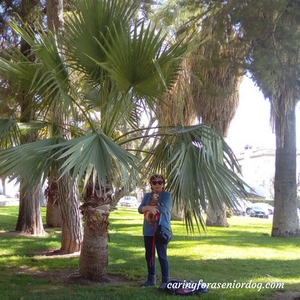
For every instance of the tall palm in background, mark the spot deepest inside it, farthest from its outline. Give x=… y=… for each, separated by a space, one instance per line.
x=66 y=201
x=215 y=89
x=176 y=109
x=114 y=64
x=209 y=86
x=268 y=48
x=29 y=218
x=274 y=65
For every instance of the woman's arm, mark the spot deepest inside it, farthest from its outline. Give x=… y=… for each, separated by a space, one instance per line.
x=151 y=209
x=144 y=207
x=165 y=203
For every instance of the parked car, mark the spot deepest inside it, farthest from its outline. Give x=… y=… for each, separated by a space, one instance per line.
x=128 y=201
x=261 y=210
x=242 y=207
x=269 y=207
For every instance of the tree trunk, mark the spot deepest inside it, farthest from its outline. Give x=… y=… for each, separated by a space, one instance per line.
x=216 y=216
x=67 y=199
x=29 y=219
x=118 y=194
x=177 y=213
x=3 y=185
x=53 y=212
x=93 y=262
x=285 y=219
x=71 y=217
x=55 y=14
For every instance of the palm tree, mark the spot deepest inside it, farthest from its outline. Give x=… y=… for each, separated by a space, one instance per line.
x=269 y=43
x=117 y=64
x=210 y=83
x=67 y=202
x=215 y=85
x=176 y=109
x=29 y=218
x=275 y=68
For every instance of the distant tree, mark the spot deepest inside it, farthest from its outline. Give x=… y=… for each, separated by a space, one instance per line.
x=3 y=182
x=278 y=79
x=215 y=88
x=269 y=43
x=211 y=79
x=63 y=196
x=32 y=18
x=29 y=218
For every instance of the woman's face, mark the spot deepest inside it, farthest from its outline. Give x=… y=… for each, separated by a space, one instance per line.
x=157 y=185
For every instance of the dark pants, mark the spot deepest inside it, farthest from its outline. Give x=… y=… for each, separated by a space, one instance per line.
x=162 y=256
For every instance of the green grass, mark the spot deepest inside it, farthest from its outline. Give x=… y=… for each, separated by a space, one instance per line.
x=242 y=253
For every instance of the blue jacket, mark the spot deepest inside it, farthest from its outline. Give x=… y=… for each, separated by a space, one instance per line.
x=165 y=204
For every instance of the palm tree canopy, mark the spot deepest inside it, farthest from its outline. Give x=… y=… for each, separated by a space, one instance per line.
x=118 y=63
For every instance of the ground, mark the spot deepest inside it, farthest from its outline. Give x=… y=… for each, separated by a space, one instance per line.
x=286 y=296
x=71 y=276
x=68 y=276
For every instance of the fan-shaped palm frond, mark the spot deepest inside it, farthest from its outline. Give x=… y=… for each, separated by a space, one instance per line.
x=98 y=155
x=141 y=61
x=31 y=162
x=114 y=107
x=17 y=67
x=132 y=56
x=190 y=158
x=50 y=78
x=9 y=132
x=94 y=154
x=88 y=26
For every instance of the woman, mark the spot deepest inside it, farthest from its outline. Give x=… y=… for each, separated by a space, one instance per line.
x=156 y=207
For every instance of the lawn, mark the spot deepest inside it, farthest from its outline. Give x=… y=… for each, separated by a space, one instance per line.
x=243 y=254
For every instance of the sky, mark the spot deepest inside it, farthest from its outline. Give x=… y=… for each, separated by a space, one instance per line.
x=251 y=124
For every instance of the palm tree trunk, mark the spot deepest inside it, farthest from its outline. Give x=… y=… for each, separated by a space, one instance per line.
x=71 y=217
x=55 y=14
x=216 y=216
x=216 y=99
x=29 y=219
x=285 y=219
x=93 y=263
x=3 y=185
x=177 y=109
x=53 y=212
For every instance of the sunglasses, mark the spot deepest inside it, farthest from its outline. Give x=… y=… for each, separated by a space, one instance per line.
x=157 y=182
